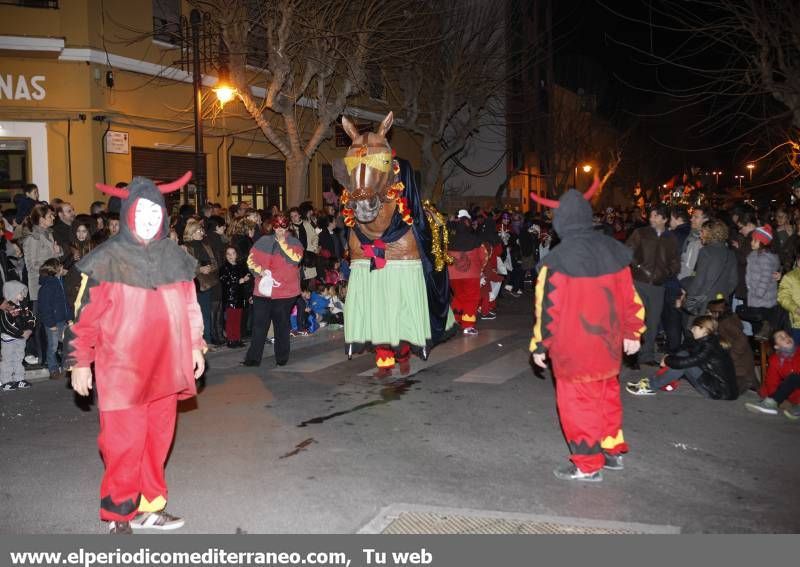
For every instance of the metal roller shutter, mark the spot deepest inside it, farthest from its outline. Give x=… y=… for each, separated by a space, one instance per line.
x=257 y=171
x=162 y=165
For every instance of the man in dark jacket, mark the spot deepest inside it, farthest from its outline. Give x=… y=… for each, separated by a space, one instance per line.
x=655 y=260
x=24 y=202
x=62 y=228
x=671 y=317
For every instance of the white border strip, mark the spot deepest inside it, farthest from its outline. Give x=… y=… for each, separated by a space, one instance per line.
x=20 y=43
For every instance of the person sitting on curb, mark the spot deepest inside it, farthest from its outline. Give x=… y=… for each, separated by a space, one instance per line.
x=704 y=363
x=782 y=379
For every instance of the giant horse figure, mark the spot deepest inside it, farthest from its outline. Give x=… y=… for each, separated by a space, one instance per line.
x=398 y=298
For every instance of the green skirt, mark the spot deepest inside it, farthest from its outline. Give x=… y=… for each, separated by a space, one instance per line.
x=386 y=306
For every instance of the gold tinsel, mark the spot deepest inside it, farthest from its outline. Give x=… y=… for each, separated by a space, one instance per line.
x=440 y=240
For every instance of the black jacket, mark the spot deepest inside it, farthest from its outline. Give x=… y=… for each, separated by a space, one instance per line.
x=14 y=324
x=234 y=294
x=719 y=374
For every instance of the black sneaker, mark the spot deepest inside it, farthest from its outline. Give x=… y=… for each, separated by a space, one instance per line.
x=571 y=472
x=119 y=528
x=613 y=462
x=23 y=384
x=9 y=387
x=489 y=316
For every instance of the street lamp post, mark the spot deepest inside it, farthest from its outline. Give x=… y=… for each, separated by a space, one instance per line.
x=195 y=18
x=750 y=168
x=716 y=175
x=740 y=178
x=586 y=169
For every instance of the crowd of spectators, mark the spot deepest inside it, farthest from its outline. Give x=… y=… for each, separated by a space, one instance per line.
x=716 y=285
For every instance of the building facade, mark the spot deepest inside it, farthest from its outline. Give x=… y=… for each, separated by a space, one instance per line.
x=92 y=91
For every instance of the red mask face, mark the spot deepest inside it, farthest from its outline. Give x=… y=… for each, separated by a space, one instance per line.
x=280 y=221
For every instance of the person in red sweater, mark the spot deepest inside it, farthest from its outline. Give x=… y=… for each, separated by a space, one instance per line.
x=782 y=381
x=275 y=261
x=469 y=258
x=491 y=280
x=587 y=313
x=137 y=320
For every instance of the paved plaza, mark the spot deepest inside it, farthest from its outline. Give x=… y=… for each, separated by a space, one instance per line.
x=319 y=447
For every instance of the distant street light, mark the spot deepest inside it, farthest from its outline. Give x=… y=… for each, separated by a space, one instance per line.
x=716 y=175
x=740 y=178
x=586 y=169
x=751 y=167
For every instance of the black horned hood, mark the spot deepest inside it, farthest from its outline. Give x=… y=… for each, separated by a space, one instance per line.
x=583 y=252
x=129 y=258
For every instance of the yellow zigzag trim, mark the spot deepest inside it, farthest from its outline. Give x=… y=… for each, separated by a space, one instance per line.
x=158 y=504
x=611 y=442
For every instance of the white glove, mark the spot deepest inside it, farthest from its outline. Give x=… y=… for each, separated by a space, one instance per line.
x=539 y=360
x=630 y=346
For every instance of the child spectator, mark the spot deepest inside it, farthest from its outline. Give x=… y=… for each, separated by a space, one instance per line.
x=783 y=365
x=335 y=306
x=762 y=286
x=731 y=332
x=318 y=303
x=234 y=277
x=16 y=326
x=704 y=363
x=54 y=311
x=331 y=276
x=302 y=313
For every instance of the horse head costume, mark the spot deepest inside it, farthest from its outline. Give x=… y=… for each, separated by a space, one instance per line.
x=374 y=192
x=398 y=248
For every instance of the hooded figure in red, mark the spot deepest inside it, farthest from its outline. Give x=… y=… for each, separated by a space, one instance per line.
x=587 y=312
x=138 y=322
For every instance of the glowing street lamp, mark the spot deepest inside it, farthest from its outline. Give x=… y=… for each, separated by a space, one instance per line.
x=751 y=167
x=716 y=175
x=586 y=169
x=225 y=93
x=740 y=178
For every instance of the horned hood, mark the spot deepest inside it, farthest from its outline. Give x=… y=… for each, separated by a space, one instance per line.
x=142 y=254
x=583 y=252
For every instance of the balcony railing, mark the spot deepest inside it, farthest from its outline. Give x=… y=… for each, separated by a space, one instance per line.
x=31 y=3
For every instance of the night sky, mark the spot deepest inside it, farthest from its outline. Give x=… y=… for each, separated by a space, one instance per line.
x=633 y=89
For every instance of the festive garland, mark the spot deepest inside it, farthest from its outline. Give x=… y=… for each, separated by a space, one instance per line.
x=440 y=236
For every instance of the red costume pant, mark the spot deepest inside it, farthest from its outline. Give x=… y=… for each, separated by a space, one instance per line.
x=591 y=418
x=134 y=443
x=487 y=305
x=466 y=296
x=233 y=323
x=386 y=356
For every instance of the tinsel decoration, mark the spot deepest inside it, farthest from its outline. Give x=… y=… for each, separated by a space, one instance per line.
x=440 y=240
x=347 y=212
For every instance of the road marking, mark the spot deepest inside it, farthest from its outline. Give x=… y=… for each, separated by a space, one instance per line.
x=499 y=370
x=453 y=348
x=314 y=363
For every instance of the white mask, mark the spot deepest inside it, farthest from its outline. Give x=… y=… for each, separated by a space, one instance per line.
x=148 y=218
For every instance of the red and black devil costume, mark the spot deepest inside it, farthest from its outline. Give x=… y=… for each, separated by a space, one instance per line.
x=585 y=306
x=469 y=258
x=137 y=320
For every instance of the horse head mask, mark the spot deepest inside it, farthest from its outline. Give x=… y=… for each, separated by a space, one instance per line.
x=367 y=170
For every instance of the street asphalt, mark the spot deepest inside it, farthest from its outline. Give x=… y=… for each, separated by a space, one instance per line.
x=324 y=450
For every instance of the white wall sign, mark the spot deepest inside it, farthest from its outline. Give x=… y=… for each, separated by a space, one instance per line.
x=20 y=87
x=116 y=142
